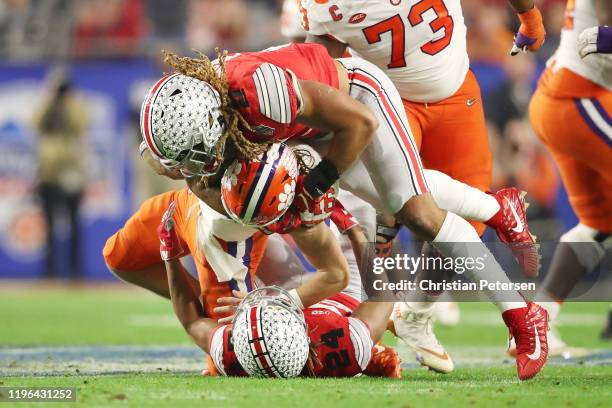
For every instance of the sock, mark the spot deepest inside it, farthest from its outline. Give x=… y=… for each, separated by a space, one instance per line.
x=457 y=238
x=459 y=198
x=550 y=303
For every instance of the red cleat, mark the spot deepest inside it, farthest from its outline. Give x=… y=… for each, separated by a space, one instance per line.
x=528 y=326
x=384 y=363
x=510 y=224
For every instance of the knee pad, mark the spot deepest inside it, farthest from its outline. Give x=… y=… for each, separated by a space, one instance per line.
x=589 y=245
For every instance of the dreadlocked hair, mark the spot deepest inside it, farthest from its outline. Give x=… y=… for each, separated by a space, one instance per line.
x=203 y=69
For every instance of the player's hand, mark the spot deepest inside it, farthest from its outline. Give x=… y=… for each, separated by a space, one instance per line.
x=386 y=231
x=313 y=210
x=531 y=33
x=595 y=40
x=169 y=242
x=289 y=221
x=229 y=305
x=343 y=219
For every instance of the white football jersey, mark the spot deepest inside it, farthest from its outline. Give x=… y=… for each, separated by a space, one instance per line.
x=420 y=44
x=580 y=15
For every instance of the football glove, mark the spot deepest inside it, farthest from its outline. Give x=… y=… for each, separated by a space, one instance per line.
x=169 y=242
x=343 y=219
x=595 y=40
x=313 y=210
x=385 y=234
x=531 y=33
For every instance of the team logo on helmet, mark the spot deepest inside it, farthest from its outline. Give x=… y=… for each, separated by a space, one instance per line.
x=270 y=335
x=181 y=123
x=257 y=192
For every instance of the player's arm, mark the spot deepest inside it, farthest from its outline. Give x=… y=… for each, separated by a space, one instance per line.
x=187 y=306
x=321 y=250
x=185 y=301
x=531 y=33
x=352 y=123
x=335 y=48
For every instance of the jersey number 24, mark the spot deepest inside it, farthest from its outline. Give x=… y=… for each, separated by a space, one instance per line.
x=395 y=25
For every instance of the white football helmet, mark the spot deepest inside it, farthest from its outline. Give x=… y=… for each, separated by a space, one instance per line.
x=181 y=123
x=270 y=335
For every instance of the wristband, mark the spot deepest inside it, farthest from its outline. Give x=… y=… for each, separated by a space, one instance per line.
x=321 y=178
x=296 y=298
x=604 y=40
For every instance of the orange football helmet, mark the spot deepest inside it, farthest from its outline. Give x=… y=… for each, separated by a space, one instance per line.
x=258 y=192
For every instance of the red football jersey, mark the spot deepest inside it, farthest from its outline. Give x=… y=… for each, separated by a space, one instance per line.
x=263 y=87
x=343 y=343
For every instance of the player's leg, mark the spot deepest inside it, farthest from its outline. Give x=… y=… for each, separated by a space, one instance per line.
x=396 y=172
x=455 y=140
x=573 y=130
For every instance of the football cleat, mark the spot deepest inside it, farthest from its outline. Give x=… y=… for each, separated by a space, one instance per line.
x=510 y=224
x=415 y=328
x=556 y=346
x=447 y=313
x=528 y=327
x=384 y=363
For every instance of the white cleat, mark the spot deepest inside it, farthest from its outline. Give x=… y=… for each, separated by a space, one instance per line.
x=556 y=346
x=415 y=329
x=447 y=313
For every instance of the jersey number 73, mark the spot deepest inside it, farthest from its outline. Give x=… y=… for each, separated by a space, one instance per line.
x=395 y=25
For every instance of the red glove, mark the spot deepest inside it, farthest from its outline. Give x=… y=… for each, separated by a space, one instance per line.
x=314 y=210
x=343 y=219
x=289 y=221
x=170 y=244
x=531 y=33
x=385 y=234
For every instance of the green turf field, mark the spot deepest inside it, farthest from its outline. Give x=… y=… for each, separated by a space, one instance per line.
x=60 y=337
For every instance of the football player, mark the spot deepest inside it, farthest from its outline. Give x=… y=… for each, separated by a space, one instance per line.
x=298 y=92
x=421 y=46
x=571 y=113
x=226 y=254
x=341 y=331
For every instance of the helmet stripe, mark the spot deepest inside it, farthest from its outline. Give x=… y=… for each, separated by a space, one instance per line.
x=264 y=177
x=146 y=113
x=258 y=346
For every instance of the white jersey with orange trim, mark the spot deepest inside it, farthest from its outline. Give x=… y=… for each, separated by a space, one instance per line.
x=580 y=15
x=420 y=44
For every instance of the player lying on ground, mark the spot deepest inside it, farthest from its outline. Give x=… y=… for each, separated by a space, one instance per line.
x=571 y=112
x=296 y=91
x=275 y=338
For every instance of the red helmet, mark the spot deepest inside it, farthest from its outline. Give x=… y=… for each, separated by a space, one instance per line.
x=257 y=192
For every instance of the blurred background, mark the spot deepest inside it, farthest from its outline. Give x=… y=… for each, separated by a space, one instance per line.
x=72 y=77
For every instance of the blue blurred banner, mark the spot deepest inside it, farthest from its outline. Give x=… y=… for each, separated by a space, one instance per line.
x=105 y=88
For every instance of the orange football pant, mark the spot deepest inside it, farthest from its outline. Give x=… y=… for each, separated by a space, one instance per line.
x=452 y=136
x=572 y=117
x=136 y=245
